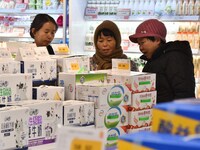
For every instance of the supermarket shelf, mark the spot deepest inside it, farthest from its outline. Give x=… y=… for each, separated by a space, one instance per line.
x=142 y=18
x=28 y=12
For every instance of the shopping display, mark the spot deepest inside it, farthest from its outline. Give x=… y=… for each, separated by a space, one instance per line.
x=56 y=99
x=175 y=126
x=16 y=17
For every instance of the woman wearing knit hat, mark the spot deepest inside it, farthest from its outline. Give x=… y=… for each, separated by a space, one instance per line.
x=107 y=41
x=172 y=61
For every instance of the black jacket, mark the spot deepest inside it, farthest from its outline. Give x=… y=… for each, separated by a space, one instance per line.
x=50 y=50
x=173 y=65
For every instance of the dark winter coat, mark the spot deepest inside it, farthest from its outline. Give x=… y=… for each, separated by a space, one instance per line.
x=173 y=64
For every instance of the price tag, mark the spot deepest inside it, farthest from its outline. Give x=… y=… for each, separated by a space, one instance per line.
x=63 y=49
x=74 y=138
x=82 y=144
x=20 y=6
x=19 y=30
x=121 y=65
x=123 y=13
x=60 y=48
x=75 y=66
x=91 y=12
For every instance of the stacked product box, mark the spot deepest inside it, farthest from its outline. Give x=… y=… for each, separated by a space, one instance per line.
x=70 y=80
x=14 y=127
x=43 y=119
x=7 y=64
x=152 y=141
x=181 y=117
x=43 y=71
x=143 y=89
x=15 y=87
x=49 y=93
x=78 y=113
x=38 y=62
x=111 y=107
x=74 y=64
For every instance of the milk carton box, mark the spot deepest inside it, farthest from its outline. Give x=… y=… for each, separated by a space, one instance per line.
x=78 y=113
x=110 y=117
x=144 y=100
x=43 y=119
x=10 y=67
x=113 y=135
x=14 y=127
x=70 y=80
x=41 y=70
x=151 y=140
x=48 y=93
x=136 y=81
x=180 y=117
x=15 y=87
x=139 y=119
x=104 y=95
x=76 y=64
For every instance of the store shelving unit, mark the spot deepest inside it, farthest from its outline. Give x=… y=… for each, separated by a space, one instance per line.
x=25 y=18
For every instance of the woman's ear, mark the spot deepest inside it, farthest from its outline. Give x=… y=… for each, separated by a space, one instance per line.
x=158 y=40
x=33 y=31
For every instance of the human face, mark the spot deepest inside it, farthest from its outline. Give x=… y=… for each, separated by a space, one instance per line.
x=106 y=45
x=45 y=35
x=148 y=47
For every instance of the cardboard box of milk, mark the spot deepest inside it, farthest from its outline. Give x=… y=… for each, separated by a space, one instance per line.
x=136 y=81
x=10 y=67
x=110 y=117
x=70 y=80
x=49 y=93
x=104 y=95
x=139 y=119
x=14 y=127
x=144 y=100
x=15 y=87
x=78 y=113
x=44 y=117
x=41 y=70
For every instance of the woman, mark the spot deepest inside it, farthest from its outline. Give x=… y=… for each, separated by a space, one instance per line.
x=172 y=61
x=42 y=30
x=107 y=41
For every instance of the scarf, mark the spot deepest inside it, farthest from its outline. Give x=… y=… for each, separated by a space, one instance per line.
x=105 y=62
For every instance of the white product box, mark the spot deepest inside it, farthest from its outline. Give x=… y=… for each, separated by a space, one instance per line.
x=145 y=100
x=44 y=117
x=139 y=119
x=15 y=87
x=104 y=95
x=9 y=67
x=14 y=127
x=42 y=70
x=86 y=139
x=48 y=93
x=110 y=117
x=76 y=64
x=136 y=81
x=78 y=113
x=113 y=135
x=70 y=80
x=131 y=129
